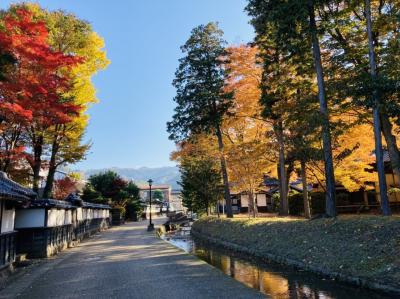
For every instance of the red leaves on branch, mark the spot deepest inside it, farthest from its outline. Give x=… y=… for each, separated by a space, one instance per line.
x=35 y=81
x=63 y=187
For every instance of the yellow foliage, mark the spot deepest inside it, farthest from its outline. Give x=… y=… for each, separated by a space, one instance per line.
x=353 y=156
x=247 y=146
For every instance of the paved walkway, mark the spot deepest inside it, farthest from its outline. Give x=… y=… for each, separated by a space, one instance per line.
x=126 y=262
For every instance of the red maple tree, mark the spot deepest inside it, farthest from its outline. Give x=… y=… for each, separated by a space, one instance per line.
x=63 y=187
x=31 y=91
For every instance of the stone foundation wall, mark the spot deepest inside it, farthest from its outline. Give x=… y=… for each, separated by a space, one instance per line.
x=43 y=241
x=46 y=241
x=7 y=249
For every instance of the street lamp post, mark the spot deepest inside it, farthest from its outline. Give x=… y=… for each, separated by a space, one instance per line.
x=151 y=225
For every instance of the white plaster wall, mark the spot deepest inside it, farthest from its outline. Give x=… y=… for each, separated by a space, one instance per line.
x=55 y=217
x=79 y=214
x=7 y=220
x=29 y=218
x=88 y=213
x=244 y=200
x=261 y=200
x=68 y=217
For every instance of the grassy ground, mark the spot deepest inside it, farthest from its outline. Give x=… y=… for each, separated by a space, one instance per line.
x=366 y=247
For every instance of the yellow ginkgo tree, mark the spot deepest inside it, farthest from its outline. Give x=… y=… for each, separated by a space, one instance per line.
x=69 y=34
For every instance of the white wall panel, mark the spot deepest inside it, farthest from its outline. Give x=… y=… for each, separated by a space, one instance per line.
x=68 y=217
x=79 y=214
x=261 y=200
x=7 y=220
x=55 y=217
x=244 y=200
x=29 y=218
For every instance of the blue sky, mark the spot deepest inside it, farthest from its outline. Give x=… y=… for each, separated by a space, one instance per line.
x=142 y=38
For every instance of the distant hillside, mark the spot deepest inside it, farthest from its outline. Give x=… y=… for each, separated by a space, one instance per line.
x=160 y=175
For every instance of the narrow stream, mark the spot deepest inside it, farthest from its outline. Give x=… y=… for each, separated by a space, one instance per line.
x=274 y=280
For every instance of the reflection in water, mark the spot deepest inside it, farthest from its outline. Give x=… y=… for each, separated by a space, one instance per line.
x=276 y=281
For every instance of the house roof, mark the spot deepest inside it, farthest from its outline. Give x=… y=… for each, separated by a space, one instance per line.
x=74 y=199
x=268 y=181
x=11 y=190
x=386 y=157
x=274 y=185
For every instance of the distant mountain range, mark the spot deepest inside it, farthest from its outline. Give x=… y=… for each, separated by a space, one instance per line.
x=160 y=175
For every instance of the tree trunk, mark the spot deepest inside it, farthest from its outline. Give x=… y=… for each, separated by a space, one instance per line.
x=10 y=146
x=323 y=105
x=393 y=150
x=365 y=197
x=37 y=163
x=48 y=189
x=307 y=212
x=284 y=205
x=278 y=171
x=252 y=204
x=289 y=170
x=377 y=126
x=255 y=211
x=47 y=192
x=227 y=193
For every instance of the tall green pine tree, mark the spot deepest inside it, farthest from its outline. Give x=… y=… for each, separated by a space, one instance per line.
x=200 y=98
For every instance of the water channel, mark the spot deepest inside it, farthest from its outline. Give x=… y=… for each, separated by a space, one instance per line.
x=273 y=280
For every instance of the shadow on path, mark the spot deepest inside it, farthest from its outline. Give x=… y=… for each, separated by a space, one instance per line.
x=126 y=262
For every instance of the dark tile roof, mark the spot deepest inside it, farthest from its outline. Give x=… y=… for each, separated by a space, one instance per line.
x=50 y=203
x=13 y=191
x=268 y=181
x=94 y=205
x=386 y=157
x=74 y=199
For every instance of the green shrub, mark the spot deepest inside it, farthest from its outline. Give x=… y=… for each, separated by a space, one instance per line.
x=118 y=212
x=133 y=210
x=276 y=202
x=342 y=199
x=296 y=205
x=317 y=203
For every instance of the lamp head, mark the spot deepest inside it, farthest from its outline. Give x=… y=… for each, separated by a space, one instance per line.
x=150 y=181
